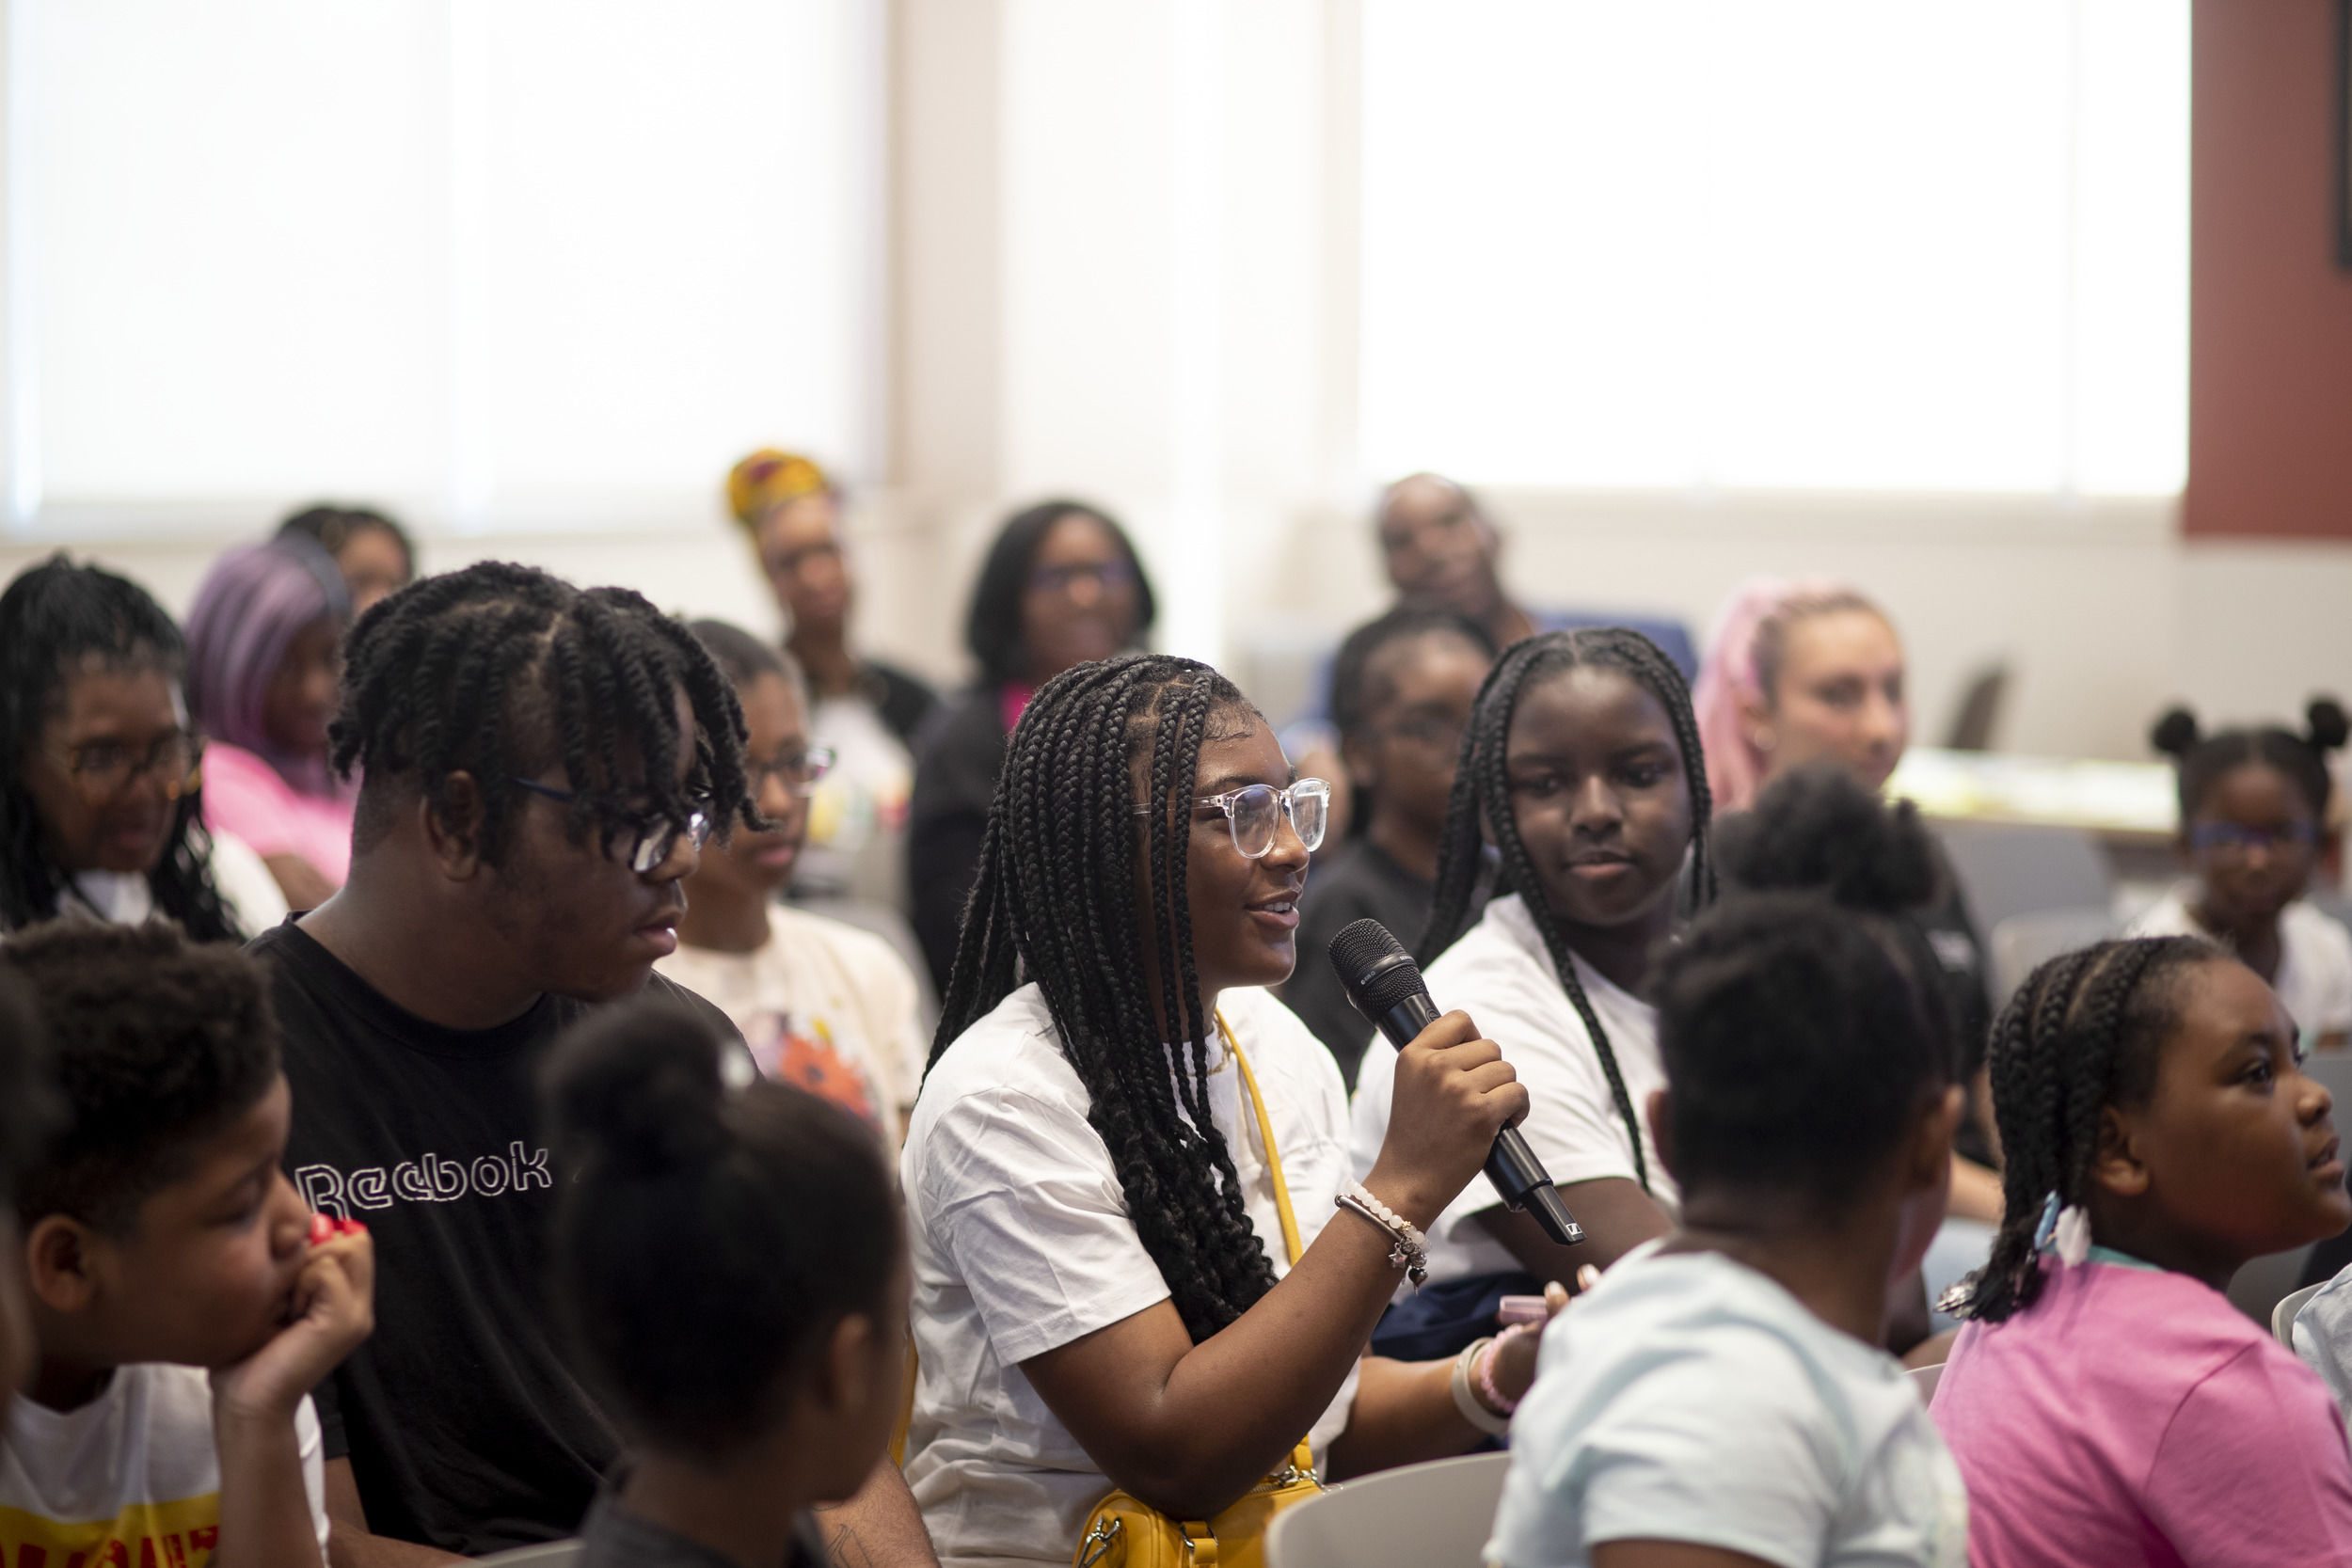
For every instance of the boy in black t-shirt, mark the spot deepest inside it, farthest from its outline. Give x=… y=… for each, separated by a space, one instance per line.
x=541 y=766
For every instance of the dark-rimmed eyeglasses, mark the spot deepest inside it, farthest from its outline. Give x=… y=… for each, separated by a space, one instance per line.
x=802 y=773
x=2235 y=838
x=101 y=769
x=1254 y=814
x=651 y=840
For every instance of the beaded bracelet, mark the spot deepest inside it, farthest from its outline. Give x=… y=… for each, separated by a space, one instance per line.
x=1408 y=1248
x=1466 y=1403
x=1487 y=1368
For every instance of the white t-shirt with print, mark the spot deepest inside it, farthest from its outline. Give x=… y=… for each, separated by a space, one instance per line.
x=1690 y=1398
x=1022 y=1244
x=136 y=1466
x=1501 y=976
x=822 y=1005
x=2314 y=981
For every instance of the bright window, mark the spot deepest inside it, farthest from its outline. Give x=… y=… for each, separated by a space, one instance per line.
x=495 y=260
x=1807 y=244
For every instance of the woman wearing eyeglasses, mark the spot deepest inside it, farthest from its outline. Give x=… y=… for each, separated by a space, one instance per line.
x=1141 y=1261
x=98 y=772
x=821 y=1004
x=1060 y=586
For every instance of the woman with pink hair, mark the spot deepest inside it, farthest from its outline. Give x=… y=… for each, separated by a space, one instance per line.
x=1809 y=670
x=1799 y=671
x=264 y=677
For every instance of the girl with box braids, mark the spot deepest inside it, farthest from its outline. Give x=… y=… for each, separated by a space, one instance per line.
x=488 y=670
x=1055 y=903
x=60 y=622
x=1481 y=795
x=2083 y=1033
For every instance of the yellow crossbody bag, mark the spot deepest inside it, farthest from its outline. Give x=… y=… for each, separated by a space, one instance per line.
x=1123 y=1531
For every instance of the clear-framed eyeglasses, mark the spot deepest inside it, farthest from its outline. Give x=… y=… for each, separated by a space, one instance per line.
x=649 y=840
x=802 y=773
x=1255 y=814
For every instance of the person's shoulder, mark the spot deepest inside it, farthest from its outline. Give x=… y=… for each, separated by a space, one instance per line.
x=868 y=955
x=964 y=718
x=660 y=986
x=1013 y=1046
x=2320 y=933
x=1499 y=958
x=2168 y=916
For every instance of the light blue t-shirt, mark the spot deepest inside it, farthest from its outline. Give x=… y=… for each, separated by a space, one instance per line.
x=1689 y=1398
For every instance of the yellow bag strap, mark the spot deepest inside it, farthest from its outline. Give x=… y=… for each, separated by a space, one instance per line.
x=1265 y=1134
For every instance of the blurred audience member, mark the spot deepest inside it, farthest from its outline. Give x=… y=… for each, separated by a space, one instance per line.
x=2253 y=825
x=1402 y=690
x=1062 y=585
x=371 y=551
x=264 y=675
x=865 y=711
x=1440 y=547
x=99 y=797
x=822 y=1005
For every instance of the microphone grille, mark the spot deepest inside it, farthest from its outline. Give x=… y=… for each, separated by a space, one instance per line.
x=1375 y=967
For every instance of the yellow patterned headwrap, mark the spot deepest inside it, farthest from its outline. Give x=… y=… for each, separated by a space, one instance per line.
x=768 y=479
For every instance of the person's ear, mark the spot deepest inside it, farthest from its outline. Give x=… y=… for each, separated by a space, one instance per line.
x=1756 y=725
x=845 y=1384
x=1361 y=759
x=61 y=1264
x=2116 y=1166
x=1659 y=1115
x=452 y=829
x=1929 y=1163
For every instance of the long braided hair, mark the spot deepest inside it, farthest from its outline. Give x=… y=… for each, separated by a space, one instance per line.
x=439 y=678
x=1482 y=793
x=54 y=619
x=2083 y=1033
x=1054 y=902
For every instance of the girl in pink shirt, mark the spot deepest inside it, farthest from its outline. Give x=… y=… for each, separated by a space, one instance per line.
x=264 y=677
x=2107 y=1404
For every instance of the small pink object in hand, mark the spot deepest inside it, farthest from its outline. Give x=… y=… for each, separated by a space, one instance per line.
x=1522 y=1309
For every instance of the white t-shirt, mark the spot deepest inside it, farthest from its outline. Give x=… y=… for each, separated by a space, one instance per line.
x=822 y=1005
x=857 y=820
x=1500 y=975
x=2314 y=979
x=1022 y=1244
x=125 y=898
x=1690 y=1398
x=136 y=1466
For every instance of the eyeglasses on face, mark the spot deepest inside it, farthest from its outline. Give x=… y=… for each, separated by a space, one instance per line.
x=2235 y=838
x=101 y=769
x=800 y=772
x=650 y=840
x=1254 y=814
x=1105 y=575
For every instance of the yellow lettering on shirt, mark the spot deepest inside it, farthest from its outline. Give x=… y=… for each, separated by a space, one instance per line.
x=180 y=1534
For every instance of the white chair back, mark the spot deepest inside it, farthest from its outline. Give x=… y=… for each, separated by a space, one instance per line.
x=1433 y=1515
x=2282 y=1315
x=547 y=1554
x=2024 y=943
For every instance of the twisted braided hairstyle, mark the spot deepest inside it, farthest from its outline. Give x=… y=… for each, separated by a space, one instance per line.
x=1482 y=793
x=1054 y=901
x=58 y=619
x=2083 y=1033
x=497 y=670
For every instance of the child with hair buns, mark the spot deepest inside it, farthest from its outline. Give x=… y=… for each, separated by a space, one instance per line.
x=731 y=1266
x=2253 y=822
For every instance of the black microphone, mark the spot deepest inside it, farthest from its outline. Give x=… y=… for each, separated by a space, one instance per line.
x=1384 y=983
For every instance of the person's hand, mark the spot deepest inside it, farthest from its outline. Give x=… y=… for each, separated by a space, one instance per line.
x=1513 y=1354
x=333 y=1310
x=1453 y=1093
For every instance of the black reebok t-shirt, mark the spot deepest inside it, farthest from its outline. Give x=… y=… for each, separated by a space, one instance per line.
x=464 y=1424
